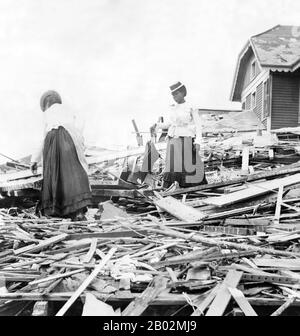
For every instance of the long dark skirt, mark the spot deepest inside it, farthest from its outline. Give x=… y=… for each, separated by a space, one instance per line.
x=65 y=188
x=183 y=163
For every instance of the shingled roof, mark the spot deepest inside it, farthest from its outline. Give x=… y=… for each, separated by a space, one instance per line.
x=277 y=49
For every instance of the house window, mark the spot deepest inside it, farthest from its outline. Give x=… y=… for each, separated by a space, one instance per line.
x=253 y=69
x=253 y=100
x=266 y=110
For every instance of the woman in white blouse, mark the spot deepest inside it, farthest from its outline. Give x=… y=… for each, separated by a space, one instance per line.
x=183 y=162
x=66 y=190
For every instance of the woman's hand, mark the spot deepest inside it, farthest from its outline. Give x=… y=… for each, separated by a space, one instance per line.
x=33 y=168
x=197 y=147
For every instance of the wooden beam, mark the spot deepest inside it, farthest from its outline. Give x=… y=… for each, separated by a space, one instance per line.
x=292 y=169
x=206 y=302
x=179 y=209
x=278 y=205
x=219 y=304
x=285 y=306
x=242 y=302
x=253 y=191
x=42 y=245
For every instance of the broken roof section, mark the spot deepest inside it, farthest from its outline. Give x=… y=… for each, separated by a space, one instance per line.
x=277 y=49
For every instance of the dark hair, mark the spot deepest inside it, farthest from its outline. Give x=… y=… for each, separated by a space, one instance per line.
x=50 y=98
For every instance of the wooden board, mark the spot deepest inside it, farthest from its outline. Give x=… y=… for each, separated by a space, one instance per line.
x=206 y=302
x=253 y=190
x=290 y=264
x=180 y=210
x=242 y=302
x=223 y=297
x=42 y=245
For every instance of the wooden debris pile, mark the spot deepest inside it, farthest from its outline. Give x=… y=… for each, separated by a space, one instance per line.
x=228 y=248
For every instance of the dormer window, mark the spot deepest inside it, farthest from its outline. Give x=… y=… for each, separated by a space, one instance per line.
x=253 y=69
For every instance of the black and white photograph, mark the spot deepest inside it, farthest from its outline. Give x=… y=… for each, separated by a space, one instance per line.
x=149 y=161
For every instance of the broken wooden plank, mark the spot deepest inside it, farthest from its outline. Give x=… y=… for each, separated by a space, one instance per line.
x=116 y=193
x=285 y=306
x=242 y=302
x=56 y=277
x=86 y=282
x=278 y=205
x=219 y=304
x=188 y=257
x=253 y=190
x=228 y=230
x=139 y=305
x=179 y=209
x=88 y=257
x=206 y=302
x=42 y=245
x=112 y=234
x=214 y=242
x=292 y=169
x=290 y=264
x=251 y=222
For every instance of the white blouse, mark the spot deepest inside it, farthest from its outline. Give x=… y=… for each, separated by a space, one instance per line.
x=60 y=115
x=181 y=121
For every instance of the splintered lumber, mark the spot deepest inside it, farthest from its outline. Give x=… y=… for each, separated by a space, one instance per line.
x=110 y=211
x=180 y=210
x=86 y=282
x=140 y=304
x=42 y=245
x=213 y=242
x=219 y=304
x=112 y=234
x=256 y=222
x=206 y=302
x=285 y=306
x=290 y=264
x=278 y=204
x=250 y=178
x=88 y=257
x=242 y=302
x=187 y=258
x=252 y=191
x=55 y=277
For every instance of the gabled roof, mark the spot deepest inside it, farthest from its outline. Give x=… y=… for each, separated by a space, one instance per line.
x=276 y=49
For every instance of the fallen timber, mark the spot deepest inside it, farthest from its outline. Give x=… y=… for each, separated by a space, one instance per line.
x=175 y=253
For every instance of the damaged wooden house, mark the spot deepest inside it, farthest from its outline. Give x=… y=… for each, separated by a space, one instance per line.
x=266 y=78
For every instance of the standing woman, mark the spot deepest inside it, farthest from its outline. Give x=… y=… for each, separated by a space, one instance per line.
x=183 y=162
x=65 y=190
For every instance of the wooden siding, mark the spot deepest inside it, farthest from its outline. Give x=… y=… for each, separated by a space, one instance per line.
x=259 y=101
x=247 y=78
x=248 y=102
x=285 y=100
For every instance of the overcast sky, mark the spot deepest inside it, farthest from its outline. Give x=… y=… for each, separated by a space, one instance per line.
x=113 y=60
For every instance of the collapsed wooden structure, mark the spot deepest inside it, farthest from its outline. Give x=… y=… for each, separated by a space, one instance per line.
x=230 y=247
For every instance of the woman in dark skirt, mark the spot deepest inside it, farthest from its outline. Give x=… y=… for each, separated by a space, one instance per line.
x=65 y=189
x=183 y=162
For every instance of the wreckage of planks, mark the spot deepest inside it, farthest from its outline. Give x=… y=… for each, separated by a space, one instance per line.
x=230 y=247
x=219 y=249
